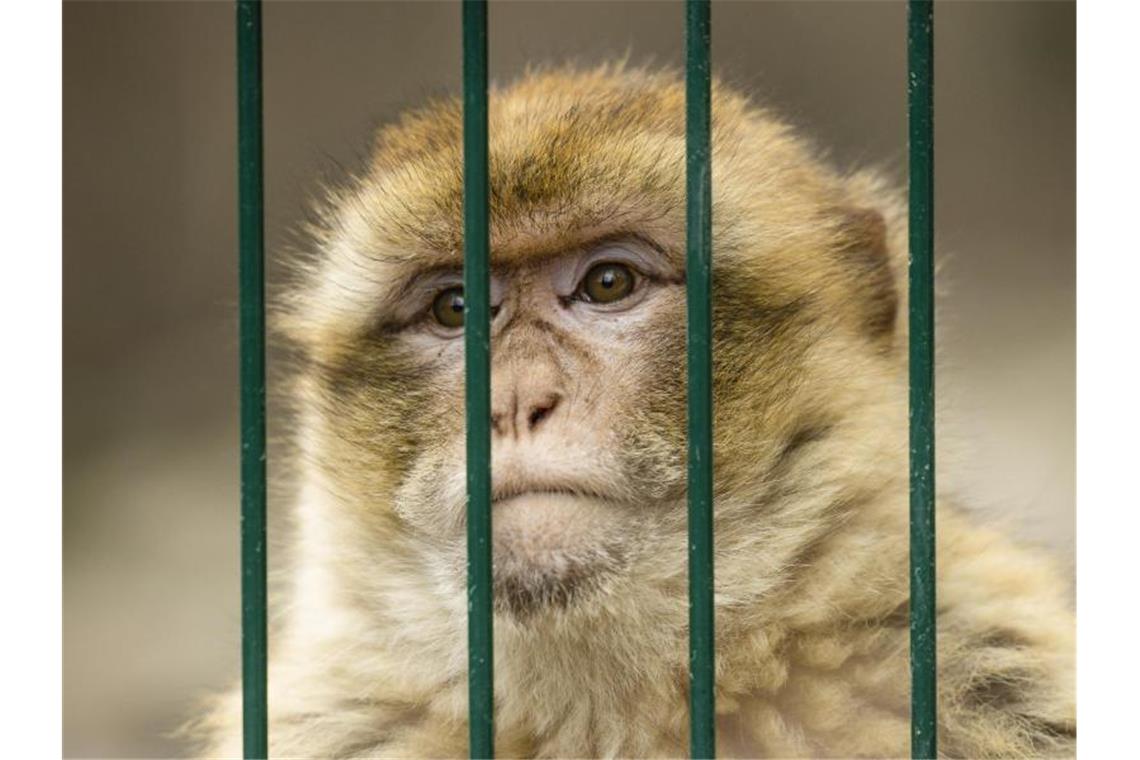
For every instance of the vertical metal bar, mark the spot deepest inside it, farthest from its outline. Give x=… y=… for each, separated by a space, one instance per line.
x=923 y=644
x=477 y=347
x=702 y=684
x=252 y=339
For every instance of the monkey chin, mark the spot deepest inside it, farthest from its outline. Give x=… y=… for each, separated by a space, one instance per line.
x=551 y=549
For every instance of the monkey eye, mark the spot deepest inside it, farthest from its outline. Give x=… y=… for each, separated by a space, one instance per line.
x=607 y=282
x=447 y=308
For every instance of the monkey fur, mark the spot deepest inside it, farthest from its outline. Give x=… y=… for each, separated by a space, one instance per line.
x=811 y=488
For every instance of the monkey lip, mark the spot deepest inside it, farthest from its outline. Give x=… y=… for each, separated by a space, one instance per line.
x=503 y=494
x=550 y=502
x=540 y=524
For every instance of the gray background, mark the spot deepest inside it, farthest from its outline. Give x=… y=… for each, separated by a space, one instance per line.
x=150 y=448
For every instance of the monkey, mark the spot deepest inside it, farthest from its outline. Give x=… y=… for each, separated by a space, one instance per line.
x=588 y=418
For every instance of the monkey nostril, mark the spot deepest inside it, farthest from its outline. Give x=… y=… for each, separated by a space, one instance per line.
x=536 y=416
x=542 y=410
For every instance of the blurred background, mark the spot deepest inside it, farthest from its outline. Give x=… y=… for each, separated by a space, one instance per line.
x=151 y=616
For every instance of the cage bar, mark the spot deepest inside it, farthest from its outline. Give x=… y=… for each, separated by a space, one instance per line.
x=477 y=354
x=698 y=293
x=251 y=276
x=923 y=642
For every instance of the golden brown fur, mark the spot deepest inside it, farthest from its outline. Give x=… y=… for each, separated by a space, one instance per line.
x=811 y=474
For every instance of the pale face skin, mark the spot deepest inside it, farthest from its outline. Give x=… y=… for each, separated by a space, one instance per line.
x=571 y=504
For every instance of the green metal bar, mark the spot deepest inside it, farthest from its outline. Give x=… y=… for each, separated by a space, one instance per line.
x=477 y=347
x=698 y=211
x=923 y=643
x=252 y=339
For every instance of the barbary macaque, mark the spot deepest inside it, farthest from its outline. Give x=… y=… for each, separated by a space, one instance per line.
x=587 y=176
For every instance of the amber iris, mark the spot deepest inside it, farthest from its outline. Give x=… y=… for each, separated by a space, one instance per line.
x=447 y=308
x=607 y=282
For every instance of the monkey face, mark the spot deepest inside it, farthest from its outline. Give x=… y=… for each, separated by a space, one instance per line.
x=588 y=337
x=587 y=439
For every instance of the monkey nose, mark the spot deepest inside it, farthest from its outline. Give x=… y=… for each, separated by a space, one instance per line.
x=522 y=414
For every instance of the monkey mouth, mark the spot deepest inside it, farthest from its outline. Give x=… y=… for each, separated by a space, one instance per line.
x=515 y=490
x=550 y=547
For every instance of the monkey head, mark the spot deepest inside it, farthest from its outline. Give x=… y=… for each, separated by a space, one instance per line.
x=588 y=342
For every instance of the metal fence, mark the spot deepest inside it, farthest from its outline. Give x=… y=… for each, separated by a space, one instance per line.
x=478 y=387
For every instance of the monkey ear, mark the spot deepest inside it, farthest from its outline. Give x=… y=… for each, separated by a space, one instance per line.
x=866 y=257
